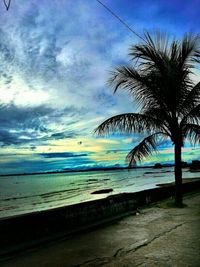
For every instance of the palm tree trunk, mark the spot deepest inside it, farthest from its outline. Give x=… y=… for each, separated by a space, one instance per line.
x=178 y=175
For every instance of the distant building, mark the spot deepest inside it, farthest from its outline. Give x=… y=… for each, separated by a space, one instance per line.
x=195 y=165
x=184 y=164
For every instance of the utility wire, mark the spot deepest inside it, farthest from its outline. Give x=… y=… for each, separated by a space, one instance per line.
x=123 y=22
x=7 y=4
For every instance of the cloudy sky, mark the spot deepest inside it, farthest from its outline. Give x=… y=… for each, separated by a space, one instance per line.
x=54 y=64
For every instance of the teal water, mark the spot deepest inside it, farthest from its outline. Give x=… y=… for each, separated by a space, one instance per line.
x=29 y=193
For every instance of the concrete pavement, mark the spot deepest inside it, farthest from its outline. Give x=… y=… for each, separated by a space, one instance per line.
x=160 y=235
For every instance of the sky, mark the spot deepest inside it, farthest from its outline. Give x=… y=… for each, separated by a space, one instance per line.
x=55 y=60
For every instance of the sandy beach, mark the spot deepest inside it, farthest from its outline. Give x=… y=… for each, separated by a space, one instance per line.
x=158 y=235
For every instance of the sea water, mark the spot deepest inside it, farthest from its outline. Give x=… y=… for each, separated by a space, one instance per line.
x=29 y=193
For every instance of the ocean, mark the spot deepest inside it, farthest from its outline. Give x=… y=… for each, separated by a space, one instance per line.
x=30 y=193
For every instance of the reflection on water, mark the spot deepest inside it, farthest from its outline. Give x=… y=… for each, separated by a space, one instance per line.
x=23 y=194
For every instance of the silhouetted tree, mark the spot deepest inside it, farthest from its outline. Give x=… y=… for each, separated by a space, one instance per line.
x=161 y=83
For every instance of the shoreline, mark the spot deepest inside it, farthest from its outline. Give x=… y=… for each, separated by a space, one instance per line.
x=87 y=170
x=29 y=230
x=35 y=212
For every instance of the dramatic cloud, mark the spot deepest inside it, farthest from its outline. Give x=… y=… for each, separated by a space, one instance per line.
x=62 y=155
x=55 y=60
x=56 y=56
x=21 y=124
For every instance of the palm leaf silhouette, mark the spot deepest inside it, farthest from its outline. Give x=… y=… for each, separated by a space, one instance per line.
x=160 y=82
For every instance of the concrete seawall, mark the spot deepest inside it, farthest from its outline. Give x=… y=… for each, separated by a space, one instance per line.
x=28 y=230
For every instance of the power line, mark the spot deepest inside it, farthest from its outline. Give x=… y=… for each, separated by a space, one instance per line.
x=7 y=3
x=122 y=21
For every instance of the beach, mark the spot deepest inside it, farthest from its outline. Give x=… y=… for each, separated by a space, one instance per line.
x=39 y=192
x=23 y=233
x=157 y=235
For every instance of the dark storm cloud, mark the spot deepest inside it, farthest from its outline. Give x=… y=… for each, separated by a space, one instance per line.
x=45 y=164
x=62 y=155
x=63 y=135
x=21 y=125
x=7 y=138
x=23 y=117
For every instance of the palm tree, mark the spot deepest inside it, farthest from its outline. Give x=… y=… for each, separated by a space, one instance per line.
x=160 y=82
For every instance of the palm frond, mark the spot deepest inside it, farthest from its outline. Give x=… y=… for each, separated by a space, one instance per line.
x=193 y=116
x=174 y=50
x=191 y=100
x=152 y=53
x=144 y=88
x=125 y=77
x=192 y=132
x=144 y=149
x=162 y=115
x=171 y=63
x=129 y=123
x=189 y=51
